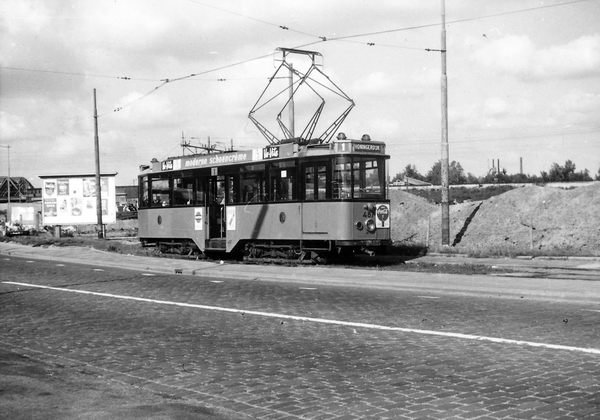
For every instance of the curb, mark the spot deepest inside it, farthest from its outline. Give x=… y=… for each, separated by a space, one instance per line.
x=572 y=290
x=519 y=257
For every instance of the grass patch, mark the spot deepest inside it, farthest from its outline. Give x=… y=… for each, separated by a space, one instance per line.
x=462 y=194
x=121 y=245
x=511 y=251
x=409 y=249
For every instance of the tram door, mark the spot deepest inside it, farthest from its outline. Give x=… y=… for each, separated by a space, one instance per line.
x=216 y=207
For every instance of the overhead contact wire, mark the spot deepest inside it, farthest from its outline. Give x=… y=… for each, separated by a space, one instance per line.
x=165 y=81
x=429 y=25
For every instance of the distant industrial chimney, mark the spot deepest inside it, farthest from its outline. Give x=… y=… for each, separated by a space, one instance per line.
x=521 y=165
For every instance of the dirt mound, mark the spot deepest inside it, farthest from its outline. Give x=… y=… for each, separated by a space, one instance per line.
x=527 y=218
x=410 y=216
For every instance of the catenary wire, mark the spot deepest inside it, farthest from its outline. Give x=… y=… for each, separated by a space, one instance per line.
x=506 y=138
x=165 y=81
x=79 y=74
x=454 y=21
x=283 y=27
x=320 y=39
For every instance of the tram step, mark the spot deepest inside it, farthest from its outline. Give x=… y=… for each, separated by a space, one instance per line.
x=218 y=244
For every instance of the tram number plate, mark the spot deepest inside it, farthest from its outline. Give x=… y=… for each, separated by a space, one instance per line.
x=271 y=152
x=368 y=214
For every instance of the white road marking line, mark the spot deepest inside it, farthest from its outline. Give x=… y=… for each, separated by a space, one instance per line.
x=60 y=265
x=148 y=274
x=216 y=281
x=307 y=288
x=98 y=269
x=29 y=261
x=428 y=297
x=318 y=320
x=591 y=310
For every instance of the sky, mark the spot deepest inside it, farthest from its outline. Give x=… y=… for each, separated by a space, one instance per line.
x=523 y=79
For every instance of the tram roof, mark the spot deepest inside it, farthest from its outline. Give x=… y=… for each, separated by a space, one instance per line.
x=284 y=150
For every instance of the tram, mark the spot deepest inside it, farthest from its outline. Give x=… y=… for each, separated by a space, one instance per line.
x=279 y=201
x=301 y=198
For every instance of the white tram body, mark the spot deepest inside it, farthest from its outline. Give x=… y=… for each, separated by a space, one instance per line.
x=280 y=201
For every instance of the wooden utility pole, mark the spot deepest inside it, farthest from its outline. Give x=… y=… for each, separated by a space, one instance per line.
x=445 y=164
x=101 y=228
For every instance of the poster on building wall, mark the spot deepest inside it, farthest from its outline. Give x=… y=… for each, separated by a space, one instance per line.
x=71 y=200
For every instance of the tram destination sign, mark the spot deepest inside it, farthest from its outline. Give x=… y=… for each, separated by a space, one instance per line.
x=368 y=147
x=271 y=152
x=167 y=165
x=204 y=161
x=359 y=147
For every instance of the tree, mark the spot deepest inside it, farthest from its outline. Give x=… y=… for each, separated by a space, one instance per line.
x=472 y=179
x=409 y=171
x=434 y=174
x=456 y=174
x=567 y=173
x=397 y=177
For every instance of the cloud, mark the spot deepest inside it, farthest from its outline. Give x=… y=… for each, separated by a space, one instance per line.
x=494 y=112
x=386 y=85
x=577 y=106
x=140 y=110
x=578 y=58
x=498 y=108
x=517 y=55
x=10 y=125
x=374 y=83
x=17 y=17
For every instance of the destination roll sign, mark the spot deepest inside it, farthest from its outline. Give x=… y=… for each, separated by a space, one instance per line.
x=271 y=152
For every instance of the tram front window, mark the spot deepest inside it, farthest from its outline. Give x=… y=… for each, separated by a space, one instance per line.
x=143 y=192
x=368 y=178
x=160 y=194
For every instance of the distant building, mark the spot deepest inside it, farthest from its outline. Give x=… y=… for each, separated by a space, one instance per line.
x=127 y=195
x=410 y=182
x=21 y=190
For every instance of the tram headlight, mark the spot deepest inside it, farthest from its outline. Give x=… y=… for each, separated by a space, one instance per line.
x=370 y=224
x=359 y=225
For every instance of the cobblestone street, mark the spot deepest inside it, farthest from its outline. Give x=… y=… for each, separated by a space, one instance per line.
x=288 y=350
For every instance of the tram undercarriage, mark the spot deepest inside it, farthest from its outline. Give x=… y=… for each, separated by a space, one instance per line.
x=274 y=251
x=309 y=252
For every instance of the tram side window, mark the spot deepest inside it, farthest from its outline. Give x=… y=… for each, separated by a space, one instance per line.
x=200 y=194
x=315 y=182
x=283 y=181
x=183 y=191
x=368 y=178
x=309 y=182
x=160 y=192
x=253 y=184
x=233 y=183
x=342 y=178
x=143 y=192
x=322 y=182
